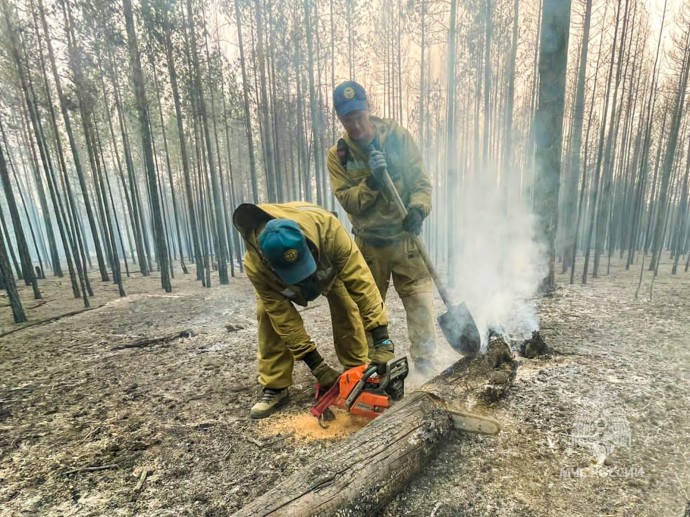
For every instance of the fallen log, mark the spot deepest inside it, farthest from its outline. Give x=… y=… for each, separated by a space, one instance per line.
x=362 y=474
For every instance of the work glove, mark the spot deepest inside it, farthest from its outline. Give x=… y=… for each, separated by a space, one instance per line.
x=413 y=220
x=377 y=163
x=325 y=375
x=384 y=349
x=372 y=182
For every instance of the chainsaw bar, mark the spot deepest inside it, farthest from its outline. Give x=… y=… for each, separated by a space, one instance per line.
x=473 y=422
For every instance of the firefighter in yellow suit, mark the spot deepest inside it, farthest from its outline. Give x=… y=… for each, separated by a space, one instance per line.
x=368 y=145
x=296 y=252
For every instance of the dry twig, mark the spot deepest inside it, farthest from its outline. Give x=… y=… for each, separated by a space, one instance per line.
x=142 y=480
x=91 y=469
x=255 y=442
x=144 y=342
x=43 y=322
x=436 y=508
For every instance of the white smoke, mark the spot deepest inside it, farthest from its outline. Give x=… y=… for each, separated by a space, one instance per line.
x=500 y=263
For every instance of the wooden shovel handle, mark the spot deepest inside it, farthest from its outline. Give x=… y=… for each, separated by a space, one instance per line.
x=392 y=192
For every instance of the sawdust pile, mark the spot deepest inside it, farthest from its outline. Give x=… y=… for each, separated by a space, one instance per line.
x=305 y=426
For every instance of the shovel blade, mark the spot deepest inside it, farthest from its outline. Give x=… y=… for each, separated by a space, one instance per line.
x=460 y=330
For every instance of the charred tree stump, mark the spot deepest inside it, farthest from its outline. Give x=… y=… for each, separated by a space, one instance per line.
x=534 y=346
x=363 y=473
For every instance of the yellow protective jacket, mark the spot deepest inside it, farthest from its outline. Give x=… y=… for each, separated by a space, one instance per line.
x=369 y=211
x=337 y=257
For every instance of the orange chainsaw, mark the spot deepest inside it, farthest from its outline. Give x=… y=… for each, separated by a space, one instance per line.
x=362 y=392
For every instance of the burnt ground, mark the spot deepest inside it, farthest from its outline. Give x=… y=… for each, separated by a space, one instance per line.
x=601 y=427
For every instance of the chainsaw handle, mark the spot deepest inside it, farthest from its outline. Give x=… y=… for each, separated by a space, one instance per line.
x=326 y=399
x=359 y=387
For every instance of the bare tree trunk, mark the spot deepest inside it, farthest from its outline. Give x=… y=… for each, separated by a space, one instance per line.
x=609 y=152
x=23 y=248
x=671 y=150
x=642 y=178
x=15 y=262
x=451 y=162
x=134 y=205
x=315 y=115
x=682 y=215
x=41 y=273
x=142 y=110
x=54 y=254
x=488 y=20
x=247 y=112
x=553 y=58
x=73 y=146
x=172 y=72
x=167 y=164
x=572 y=210
x=594 y=201
x=422 y=77
x=71 y=242
x=507 y=182
x=8 y=278
x=220 y=231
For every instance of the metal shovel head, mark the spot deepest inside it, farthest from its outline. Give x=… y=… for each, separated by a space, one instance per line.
x=460 y=330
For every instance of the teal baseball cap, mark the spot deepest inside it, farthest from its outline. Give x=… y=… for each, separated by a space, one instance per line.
x=285 y=247
x=349 y=96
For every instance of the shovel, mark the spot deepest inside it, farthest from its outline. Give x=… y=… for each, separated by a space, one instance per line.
x=457 y=324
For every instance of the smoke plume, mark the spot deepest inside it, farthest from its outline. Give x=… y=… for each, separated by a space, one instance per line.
x=500 y=263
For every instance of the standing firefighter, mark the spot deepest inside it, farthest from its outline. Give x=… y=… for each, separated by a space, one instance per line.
x=296 y=252
x=368 y=146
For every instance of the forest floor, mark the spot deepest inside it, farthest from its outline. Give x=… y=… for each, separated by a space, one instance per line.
x=601 y=427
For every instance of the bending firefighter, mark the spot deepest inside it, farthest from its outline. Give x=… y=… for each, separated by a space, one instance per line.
x=369 y=146
x=295 y=253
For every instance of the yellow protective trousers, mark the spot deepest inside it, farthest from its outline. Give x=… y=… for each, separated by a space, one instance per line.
x=276 y=362
x=402 y=261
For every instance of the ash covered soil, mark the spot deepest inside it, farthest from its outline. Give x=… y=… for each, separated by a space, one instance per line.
x=600 y=427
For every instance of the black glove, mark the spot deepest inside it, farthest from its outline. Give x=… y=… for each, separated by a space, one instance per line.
x=413 y=220
x=372 y=182
x=325 y=375
x=384 y=349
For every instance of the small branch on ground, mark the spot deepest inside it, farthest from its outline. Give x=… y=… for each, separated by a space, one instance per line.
x=254 y=441
x=43 y=322
x=142 y=480
x=436 y=508
x=90 y=469
x=144 y=342
x=38 y=304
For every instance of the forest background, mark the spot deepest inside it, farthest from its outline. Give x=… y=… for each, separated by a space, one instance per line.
x=131 y=131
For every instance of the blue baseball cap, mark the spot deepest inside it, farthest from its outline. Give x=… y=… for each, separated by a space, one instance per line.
x=349 y=96
x=285 y=247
